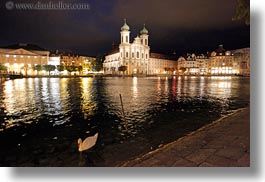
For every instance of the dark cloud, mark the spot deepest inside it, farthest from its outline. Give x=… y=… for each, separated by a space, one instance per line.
x=173 y=24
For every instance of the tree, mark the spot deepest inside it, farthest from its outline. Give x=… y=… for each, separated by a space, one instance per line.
x=60 y=68
x=97 y=65
x=70 y=69
x=2 y=67
x=182 y=70
x=79 y=68
x=37 y=68
x=49 y=68
x=122 y=69
x=243 y=11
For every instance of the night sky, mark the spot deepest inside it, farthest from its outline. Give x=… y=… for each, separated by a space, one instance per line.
x=174 y=25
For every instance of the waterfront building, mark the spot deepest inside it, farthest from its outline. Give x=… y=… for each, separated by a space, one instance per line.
x=218 y=62
x=85 y=62
x=222 y=62
x=54 y=58
x=187 y=65
x=191 y=64
x=136 y=56
x=69 y=59
x=202 y=63
x=21 y=58
x=242 y=58
x=161 y=64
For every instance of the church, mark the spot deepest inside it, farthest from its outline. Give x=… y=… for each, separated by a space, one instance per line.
x=136 y=57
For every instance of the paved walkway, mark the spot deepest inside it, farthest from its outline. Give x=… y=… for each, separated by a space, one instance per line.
x=224 y=143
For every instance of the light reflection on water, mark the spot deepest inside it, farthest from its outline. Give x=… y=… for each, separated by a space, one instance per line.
x=158 y=110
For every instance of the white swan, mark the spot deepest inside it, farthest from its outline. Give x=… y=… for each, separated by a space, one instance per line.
x=88 y=143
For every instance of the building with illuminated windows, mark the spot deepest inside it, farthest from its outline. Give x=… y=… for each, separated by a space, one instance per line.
x=222 y=62
x=242 y=57
x=218 y=62
x=136 y=56
x=21 y=58
x=188 y=65
x=69 y=59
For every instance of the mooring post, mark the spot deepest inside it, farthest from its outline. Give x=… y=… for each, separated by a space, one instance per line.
x=123 y=113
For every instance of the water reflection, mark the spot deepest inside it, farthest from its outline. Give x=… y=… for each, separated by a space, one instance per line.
x=202 y=86
x=88 y=103
x=26 y=100
x=221 y=87
x=158 y=110
x=135 y=87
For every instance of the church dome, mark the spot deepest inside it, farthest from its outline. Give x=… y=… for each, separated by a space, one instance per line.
x=125 y=27
x=144 y=31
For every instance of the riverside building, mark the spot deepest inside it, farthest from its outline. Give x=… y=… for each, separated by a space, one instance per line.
x=21 y=58
x=218 y=62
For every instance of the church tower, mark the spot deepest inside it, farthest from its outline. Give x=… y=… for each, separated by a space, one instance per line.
x=125 y=33
x=144 y=36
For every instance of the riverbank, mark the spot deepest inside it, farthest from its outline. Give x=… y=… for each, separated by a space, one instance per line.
x=116 y=76
x=224 y=143
x=62 y=76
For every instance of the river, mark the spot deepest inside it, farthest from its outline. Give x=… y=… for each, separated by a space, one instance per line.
x=42 y=118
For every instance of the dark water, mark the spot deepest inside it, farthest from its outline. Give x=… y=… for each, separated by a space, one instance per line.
x=42 y=118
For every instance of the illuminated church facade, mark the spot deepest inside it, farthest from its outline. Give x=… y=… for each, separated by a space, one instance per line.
x=136 y=57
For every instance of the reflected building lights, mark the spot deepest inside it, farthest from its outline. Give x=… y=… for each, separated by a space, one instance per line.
x=135 y=87
x=221 y=88
x=174 y=86
x=179 y=88
x=202 y=85
x=159 y=85
x=64 y=93
x=224 y=85
x=57 y=100
x=166 y=87
x=88 y=104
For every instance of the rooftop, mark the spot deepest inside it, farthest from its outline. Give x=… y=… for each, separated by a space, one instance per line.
x=25 y=46
x=220 y=50
x=161 y=56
